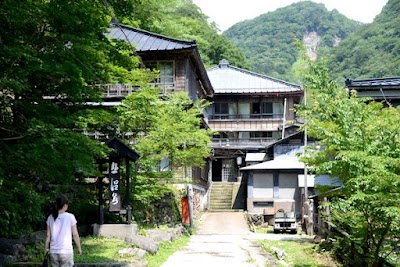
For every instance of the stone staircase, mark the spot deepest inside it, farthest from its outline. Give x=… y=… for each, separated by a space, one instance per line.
x=221 y=196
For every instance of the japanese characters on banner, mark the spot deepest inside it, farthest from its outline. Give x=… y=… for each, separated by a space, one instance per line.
x=114 y=176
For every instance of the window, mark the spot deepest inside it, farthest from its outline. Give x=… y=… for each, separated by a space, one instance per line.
x=260 y=134
x=166 y=69
x=163 y=165
x=276 y=185
x=262 y=204
x=225 y=110
x=255 y=108
x=267 y=108
x=221 y=108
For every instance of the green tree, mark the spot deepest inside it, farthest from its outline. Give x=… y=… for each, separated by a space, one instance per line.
x=52 y=56
x=182 y=19
x=268 y=40
x=360 y=143
x=167 y=130
x=371 y=51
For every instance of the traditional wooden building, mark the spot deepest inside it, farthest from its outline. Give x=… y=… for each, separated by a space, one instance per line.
x=250 y=111
x=178 y=61
x=180 y=69
x=378 y=89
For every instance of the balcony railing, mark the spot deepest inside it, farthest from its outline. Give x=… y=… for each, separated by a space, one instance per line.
x=245 y=116
x=123 y=90
x=241 y=141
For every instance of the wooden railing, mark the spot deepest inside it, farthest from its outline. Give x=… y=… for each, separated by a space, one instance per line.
x=245 y=116
x=239 y=141
x=123 y=90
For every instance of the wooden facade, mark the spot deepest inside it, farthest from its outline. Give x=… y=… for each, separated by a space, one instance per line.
x=250 y=111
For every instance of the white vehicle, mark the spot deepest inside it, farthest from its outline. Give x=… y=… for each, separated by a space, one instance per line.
x=285 y=217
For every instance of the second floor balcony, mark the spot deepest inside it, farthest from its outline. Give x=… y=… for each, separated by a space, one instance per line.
x=123 y=90
x=241 y=142
x=271 y=116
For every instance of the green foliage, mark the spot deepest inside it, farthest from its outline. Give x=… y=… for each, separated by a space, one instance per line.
x=299 y=253
x=53 y=55
x=361 y=147
x=160 y=129
x=184 y=20
x=372 y=51
x=167 y=127
x=268 y=40
x=20 y=208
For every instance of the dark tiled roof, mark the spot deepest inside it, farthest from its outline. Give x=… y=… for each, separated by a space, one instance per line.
x=374 y=83
x=147 y=41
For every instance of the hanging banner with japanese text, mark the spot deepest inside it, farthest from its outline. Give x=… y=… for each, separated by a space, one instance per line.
x=114 y=176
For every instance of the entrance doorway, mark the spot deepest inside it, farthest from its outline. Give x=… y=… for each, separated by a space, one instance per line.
x=217 y=170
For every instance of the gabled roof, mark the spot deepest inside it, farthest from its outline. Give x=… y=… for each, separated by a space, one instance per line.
x=374 y=83
x=148 y=41
x=233 y=80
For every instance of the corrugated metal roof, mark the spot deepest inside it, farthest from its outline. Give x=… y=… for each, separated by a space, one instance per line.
x=374 y=83
x=147 y=41
x=229 y=79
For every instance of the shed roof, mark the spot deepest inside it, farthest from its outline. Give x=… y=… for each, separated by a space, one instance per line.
x=233 y=80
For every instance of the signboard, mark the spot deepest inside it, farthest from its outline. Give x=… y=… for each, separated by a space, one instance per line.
x=115 y=178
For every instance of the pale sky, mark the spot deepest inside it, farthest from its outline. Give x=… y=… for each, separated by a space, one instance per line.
x=225 y=13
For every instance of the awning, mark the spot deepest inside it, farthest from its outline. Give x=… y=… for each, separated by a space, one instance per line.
x=281 y=163
x=251 y=157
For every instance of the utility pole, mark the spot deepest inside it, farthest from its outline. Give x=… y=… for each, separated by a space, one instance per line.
x=307 y=214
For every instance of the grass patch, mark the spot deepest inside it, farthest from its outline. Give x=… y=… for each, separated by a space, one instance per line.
x=100 y=249
x=167 y=249
x=264 y=229
x=299 y=254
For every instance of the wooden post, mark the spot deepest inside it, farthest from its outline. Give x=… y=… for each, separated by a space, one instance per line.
x=128 y=192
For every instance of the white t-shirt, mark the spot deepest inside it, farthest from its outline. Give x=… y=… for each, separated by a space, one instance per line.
x=61 y=233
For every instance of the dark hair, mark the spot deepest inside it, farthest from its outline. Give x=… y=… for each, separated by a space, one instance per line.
x=59 y=204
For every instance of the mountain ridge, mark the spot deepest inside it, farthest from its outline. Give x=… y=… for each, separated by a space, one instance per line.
x=268 y=41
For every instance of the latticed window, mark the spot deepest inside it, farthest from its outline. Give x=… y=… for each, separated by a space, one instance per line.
x=166 y=69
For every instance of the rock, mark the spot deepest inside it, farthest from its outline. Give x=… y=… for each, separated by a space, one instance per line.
x=35 y=238
x=279 y=252
x=12 y=247
x=317 y=239
x=143 y=242
x=7 y=259
x=135 y=253
x=137 y=264
x=159 y=236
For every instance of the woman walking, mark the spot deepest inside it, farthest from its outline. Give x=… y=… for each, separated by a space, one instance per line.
x=61 y=227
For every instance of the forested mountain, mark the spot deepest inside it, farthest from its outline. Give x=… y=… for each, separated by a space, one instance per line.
x=184 y=20
x=268 y=40
x=373 y=50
